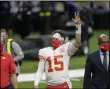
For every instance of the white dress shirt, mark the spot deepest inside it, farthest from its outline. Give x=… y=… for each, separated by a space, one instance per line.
x=102 y=57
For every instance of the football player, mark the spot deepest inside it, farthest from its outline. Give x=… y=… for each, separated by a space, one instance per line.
x=54 y=60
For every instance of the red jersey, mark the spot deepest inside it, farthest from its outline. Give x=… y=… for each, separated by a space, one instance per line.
x=7 y=66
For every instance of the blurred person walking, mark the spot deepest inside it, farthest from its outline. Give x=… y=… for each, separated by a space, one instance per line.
x=8 y=70
x=12 y=48
x=97 y=64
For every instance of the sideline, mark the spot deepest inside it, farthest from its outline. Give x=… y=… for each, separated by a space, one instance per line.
x=31 y=76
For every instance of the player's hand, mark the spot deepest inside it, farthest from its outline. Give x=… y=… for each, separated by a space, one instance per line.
x=77 y=19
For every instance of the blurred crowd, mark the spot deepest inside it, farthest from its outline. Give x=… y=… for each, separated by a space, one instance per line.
x=24 y=17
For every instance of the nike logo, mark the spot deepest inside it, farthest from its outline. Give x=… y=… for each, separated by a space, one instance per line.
x=65 y=86
x=3 y=58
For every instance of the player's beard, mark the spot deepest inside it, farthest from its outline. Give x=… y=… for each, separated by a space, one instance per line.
x=55 y=43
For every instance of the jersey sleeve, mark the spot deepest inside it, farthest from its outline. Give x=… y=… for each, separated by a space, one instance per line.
x=12 y=67
x=41 y=55
x=71 y=49
x=39 y=72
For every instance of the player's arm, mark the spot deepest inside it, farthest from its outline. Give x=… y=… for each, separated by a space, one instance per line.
x=18 y=51
x=39 y=72
x=77 y=21
x=72 y=48
x=12 y=71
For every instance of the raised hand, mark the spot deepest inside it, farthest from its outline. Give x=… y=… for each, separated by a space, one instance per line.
x=77 y=19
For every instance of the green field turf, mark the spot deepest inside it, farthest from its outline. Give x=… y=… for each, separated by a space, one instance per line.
x=75 y=63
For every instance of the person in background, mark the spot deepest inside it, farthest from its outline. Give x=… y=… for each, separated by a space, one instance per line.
x=97 y=64
x=12 y=48
x=8 y=70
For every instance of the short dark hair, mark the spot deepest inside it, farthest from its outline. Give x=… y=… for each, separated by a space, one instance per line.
x=3 y=30
x=61 y=32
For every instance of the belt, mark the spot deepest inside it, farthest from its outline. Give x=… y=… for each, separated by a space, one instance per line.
x=58 y=86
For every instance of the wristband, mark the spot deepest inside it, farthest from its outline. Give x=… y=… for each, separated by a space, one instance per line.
x=78 y=29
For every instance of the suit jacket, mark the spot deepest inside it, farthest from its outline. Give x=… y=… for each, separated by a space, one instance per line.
x=95 y=77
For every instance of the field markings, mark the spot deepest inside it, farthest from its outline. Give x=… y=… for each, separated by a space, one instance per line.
x=73 y=74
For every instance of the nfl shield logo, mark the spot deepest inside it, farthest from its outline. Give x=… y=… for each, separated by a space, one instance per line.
x=62 y=50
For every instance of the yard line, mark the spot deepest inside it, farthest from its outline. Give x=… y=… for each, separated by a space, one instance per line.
x=31 y=76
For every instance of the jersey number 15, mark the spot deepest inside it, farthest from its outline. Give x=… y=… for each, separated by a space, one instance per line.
x=58 y=65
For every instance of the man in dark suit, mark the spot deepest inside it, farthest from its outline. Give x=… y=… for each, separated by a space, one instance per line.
x=97 y=66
